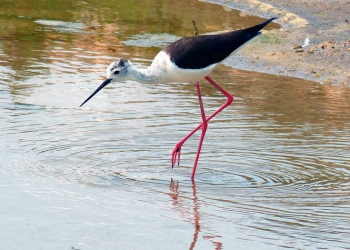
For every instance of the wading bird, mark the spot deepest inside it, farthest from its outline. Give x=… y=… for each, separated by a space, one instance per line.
x=186 y=60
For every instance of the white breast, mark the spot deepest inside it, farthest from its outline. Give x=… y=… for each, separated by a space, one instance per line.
x=167 y=71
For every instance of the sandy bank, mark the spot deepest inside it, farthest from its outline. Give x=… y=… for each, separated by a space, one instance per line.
x=325 y=59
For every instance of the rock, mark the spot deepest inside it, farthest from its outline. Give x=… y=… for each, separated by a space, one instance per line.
x=327 y=45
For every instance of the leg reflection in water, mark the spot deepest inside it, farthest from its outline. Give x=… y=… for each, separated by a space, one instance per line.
x=180 y=205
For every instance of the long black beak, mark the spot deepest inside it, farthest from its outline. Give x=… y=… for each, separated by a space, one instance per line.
x=105 y=83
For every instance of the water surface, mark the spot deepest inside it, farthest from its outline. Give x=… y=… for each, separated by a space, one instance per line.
x=274 y=170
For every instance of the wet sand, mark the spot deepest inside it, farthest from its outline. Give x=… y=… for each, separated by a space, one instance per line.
x=326 y=59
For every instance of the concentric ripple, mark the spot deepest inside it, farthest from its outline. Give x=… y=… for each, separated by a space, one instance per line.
x=273 y=172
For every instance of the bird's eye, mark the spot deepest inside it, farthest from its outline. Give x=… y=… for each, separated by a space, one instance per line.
x=116 y=72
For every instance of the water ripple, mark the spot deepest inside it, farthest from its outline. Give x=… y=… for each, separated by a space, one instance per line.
x=274 y=169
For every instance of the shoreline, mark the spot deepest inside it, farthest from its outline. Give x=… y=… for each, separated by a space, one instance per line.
x=325 y=24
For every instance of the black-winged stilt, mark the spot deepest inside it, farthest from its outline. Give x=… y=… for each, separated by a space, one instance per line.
x=188 y=59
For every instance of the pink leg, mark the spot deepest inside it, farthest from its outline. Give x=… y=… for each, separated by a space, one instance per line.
x=204 y=129
x=177 y=150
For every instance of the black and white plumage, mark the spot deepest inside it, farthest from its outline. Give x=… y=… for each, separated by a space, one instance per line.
x=204 y=51
x=186 y=60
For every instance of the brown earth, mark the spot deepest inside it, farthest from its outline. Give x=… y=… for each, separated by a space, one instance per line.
x=327 y=24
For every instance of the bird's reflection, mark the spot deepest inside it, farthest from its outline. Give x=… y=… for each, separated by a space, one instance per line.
x=193 y=217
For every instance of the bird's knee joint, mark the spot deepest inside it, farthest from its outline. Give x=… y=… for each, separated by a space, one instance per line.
x=229 y=99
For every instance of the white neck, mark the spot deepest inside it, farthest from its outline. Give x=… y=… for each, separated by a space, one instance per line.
x=143 y=75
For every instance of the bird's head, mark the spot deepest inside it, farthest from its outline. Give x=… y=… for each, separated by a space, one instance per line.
x=116 y=71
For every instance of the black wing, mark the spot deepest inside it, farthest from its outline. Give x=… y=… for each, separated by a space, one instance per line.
x=202 y=51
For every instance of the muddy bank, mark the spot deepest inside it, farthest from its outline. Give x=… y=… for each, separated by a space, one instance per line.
x=313 y=43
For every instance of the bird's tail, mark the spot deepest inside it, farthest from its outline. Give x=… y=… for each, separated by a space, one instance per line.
x=258 y=27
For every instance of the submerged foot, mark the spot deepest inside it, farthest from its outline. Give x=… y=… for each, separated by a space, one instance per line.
x=176 y=155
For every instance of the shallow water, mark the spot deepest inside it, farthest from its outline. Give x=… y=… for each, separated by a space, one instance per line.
x=274 y=169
